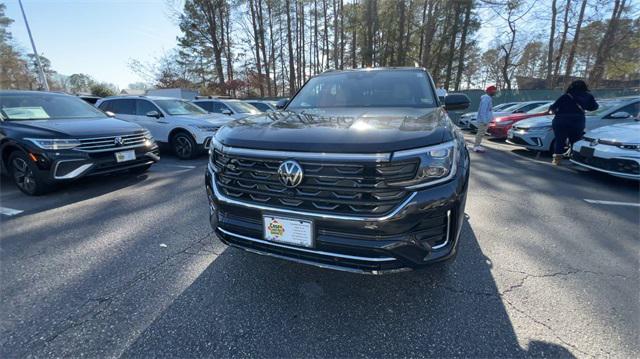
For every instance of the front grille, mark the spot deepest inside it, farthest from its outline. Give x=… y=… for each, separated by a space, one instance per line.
x=102 y=144
x=349 y=188
x=609 y=164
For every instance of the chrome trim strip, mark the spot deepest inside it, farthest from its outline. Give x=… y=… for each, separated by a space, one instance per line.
x=329 y=254
x=420 y=150
x=322 y=265
x=114 y=136
x=111 y=149
x=446 y=241
x=613 y=173
x=228 y=200
x=326 y=156
x=73 y=174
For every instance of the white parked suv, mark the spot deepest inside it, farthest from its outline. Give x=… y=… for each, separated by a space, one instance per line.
x=186 y=128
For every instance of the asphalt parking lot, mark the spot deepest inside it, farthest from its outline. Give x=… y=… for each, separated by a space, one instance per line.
x=128 y=266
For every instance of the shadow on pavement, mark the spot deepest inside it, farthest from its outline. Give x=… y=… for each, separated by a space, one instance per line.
x=252 y=306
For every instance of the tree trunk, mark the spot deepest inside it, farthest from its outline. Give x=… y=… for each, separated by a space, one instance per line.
x=552 y=34
x=263 y=49
x=341 y=34
x=256 y=38
x=574 y=45
x=336 y=49
x=430 y=31
x=326 y=35
x=563 y=39
x=452 y=45
x=292 y=73
x=272 y=52
x=604 y=49
x=463 y=44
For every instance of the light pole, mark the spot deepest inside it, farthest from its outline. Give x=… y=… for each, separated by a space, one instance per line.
x=43 y=78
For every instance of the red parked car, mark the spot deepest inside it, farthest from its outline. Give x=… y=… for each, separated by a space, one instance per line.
x=499 y=126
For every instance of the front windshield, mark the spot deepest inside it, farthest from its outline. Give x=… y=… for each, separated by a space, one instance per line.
x=604 y=106
x=45 y=106
x=510 y=107
x=386 y=88
x=503 y=106
x=539 y=109
x=179 y=107
x=242 y=107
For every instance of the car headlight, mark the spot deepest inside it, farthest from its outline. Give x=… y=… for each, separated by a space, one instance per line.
x=539 y=129
x=437 y=164
x=215 y=145
x=147 y=135
x=206 y=128
x=54 y=143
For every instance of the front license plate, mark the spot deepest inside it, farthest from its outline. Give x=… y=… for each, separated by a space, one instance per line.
x=125 y=156
x=297 y=232
x=586 y=152
x=510 y=135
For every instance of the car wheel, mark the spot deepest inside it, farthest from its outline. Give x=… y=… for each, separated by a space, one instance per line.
x=141 y=169
x=183 y=145
x=27 y=176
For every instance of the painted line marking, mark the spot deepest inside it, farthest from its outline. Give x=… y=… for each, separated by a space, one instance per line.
x=180 y=166
x=10 y=211
x=612 y=203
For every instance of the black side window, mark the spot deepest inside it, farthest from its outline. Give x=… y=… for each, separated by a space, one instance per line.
x=529 y=107
x=218 y=107
x=105 y=106
x=261 y=106
x=631 y=109
x=205 y=105
x=143 y=107
x=123 y=107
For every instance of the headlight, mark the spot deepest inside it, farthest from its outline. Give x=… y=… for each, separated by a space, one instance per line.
x=54 y=143
x=215 y=145
x=437 y=164
x=541 y=128
x=147 y=135
x=206 y=128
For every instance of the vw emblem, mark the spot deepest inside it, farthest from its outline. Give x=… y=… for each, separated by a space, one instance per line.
x=290 y=173
x=118 y=141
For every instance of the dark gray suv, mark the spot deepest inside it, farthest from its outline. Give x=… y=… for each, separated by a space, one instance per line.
x=362 y=171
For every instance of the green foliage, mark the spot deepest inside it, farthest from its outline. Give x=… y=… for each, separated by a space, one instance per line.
x=102 y=90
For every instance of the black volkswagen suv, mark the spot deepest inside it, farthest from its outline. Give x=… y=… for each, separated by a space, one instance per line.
x=49 y=137
x=362 y=171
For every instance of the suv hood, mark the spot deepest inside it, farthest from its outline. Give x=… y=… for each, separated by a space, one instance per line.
x=77 y=128
x=363 y=130
x=623 y=133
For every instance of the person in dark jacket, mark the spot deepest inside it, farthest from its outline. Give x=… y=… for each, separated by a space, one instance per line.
x=569 y=121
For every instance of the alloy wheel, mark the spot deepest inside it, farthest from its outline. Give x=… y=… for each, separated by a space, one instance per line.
x=23 y=175
x=183 y=146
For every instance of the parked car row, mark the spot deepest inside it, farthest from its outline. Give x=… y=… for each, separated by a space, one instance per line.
x=611 y=145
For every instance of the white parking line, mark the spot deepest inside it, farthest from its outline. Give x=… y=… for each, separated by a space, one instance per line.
x=612 y=203
x=179 y=166
x=10 y=211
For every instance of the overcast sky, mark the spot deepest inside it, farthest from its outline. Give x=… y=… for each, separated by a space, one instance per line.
x=100 y=37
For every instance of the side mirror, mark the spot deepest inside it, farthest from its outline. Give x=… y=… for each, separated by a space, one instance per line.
x=620 y=115
x=110 y=114
x=154 y=114
x=227 y=112
x=456 y=101
x=281 y=104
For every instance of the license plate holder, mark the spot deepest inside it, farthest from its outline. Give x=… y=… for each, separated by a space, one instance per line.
x=125 y=156
x=287 y=230
x=586 y=152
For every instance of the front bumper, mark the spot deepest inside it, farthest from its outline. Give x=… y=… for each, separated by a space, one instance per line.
x=422 y=230
x=498 y=131
x=608 y=159
x=71 y=164
x=533 y=140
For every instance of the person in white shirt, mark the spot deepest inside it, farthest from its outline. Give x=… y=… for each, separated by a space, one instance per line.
x=440 y=91
x=485 y=115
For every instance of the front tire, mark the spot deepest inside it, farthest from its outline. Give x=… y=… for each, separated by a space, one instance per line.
x=27 y=177
x=183 y=145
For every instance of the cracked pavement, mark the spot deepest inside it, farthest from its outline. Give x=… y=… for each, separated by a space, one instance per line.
x=540 y=273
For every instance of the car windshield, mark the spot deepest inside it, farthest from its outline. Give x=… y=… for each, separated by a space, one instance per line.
x=539 y=109
x=503 y=106
x=399 y=88
x=180 y=107
x=510 y=107
x=45 y=106
x=242 y=107
x=604 y=106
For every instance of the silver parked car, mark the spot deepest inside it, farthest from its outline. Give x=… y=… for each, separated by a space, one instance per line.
x=537 y=134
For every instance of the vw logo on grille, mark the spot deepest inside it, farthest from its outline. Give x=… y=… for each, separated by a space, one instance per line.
x=118 y=141
x=290 y=173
